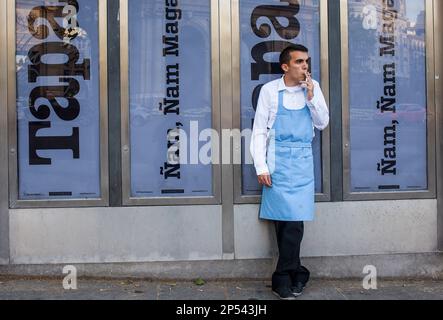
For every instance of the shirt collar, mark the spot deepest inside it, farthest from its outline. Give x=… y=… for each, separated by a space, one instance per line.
x=282 y=86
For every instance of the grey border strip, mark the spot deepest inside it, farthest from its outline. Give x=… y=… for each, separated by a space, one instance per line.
x=226 y=90
x=4 y=207
x=335 y=104
x=125 y=134
x=438 y=29
x=324 y=60
x=426 y=194
x=115 y=171
x=12 y=121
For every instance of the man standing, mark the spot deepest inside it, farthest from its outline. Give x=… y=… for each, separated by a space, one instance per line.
x=288 y=109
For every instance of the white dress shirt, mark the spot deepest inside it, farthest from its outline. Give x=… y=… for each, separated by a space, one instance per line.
x=294 y=98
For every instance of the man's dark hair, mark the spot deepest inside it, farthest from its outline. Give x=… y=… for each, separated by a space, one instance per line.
x=285 y=55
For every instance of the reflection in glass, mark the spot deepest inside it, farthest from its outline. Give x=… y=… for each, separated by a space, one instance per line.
x=387 y=96
x=57 y=69
x=273 y=24
x=169 y=90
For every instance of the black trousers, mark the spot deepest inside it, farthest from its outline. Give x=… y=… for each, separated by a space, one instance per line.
x=289 y=270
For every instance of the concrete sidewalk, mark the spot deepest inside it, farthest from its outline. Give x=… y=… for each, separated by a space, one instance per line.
x=318 y=289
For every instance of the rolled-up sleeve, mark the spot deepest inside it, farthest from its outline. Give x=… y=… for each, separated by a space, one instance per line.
x=319 y=109
x=259 y=133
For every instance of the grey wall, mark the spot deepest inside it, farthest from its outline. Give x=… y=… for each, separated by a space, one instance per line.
x=104 y=235
x=347 y=229
x=190 y=233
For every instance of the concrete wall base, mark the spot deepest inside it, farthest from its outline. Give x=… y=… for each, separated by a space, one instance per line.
x=423 y=265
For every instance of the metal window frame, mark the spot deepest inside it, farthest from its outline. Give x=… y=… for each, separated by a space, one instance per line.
x=14 y=202
x=438 y=27
x=431 y=121
x=325 y=196
x=4 y=201
x=127 y=200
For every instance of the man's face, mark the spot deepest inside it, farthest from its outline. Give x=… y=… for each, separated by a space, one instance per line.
x=298 y=66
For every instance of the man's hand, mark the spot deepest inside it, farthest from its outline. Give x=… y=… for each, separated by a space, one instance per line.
x=265 y=179
x=309 y=85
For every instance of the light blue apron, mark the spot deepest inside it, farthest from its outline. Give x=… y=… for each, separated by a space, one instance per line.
x=291 y=197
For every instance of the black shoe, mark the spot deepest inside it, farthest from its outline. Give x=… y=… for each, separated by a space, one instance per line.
x=284 y=293
x=297 y=289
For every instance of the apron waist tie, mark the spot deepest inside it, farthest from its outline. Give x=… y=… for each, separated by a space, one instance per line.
x=293 y=144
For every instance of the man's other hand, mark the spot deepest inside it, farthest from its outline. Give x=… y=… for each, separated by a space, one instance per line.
x=265 y=179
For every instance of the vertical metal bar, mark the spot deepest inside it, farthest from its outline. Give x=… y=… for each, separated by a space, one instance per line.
x=236 y=98
x=226 y=123
x=325 y=144
x=345 y=98
x=4 y=207
x=115 y=171
x=12 y=102
x=430 y=84
x=335 y=101
x=438 y=29
x=103 y=65
x=216 y=96
x=124 y=95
